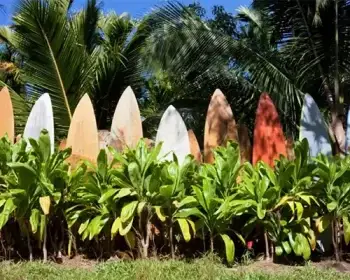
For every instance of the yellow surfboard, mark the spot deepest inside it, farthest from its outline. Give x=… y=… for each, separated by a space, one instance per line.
x=7 y=121
x=83 y=135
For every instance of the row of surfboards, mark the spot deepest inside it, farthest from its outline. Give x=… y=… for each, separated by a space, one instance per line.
x=126 y=130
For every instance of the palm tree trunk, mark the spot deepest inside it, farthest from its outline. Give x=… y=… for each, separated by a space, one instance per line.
x=335 y=239
x=267 y=252
x=44 y=244
x=30 y=249
x=211 y=243
x=171 y=239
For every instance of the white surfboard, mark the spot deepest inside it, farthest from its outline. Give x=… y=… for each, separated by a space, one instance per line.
x=314 y=129
x=126 y=129
x=41 y=117
x=173 y=133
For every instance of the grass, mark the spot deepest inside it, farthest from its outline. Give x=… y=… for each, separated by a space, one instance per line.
x=204 y=269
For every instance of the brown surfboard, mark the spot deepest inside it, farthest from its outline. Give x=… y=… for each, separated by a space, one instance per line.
x=194 y=146
x=83 y=135
x=126 y=129
x=220 y=125
x=269 y=140
x=7 y=123
x=244 y=143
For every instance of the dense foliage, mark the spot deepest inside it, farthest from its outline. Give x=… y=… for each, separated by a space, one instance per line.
x=139 y=203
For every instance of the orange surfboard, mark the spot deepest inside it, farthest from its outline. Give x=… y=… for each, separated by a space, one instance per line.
x=126 y=129
x=220 y=125
x=83 y=135
x=269 y=140
x=194 y=146
x=7 y=123
x=244 y=143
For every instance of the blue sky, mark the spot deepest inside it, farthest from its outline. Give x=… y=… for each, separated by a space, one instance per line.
x=137 y=8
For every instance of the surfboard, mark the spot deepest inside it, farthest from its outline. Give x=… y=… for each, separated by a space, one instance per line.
x=220 y=125
x=244 y=143
x=126 y=129
x=82 y=134
x=314 y=129
x=40 y=117
x=194 y=146
x=269 y=141
x=7 y=124
x=173 y=133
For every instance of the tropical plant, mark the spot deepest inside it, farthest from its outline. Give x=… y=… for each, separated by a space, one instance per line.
x=34 y=189
x=333 y=190
x=174 y=197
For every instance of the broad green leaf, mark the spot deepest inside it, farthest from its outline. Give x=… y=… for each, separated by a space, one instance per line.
x=185 y=213
x=159 y=213
x=130 y=239
x=300 y=210
x=286 y=247
x=279 y=250
x=102 y=164
x=126 y=227
x=83 y=226
x=134 y=174
x=185 y=201
x=140 y=207
x=123 y=192
x=261 y=212
x=346 y=225
x=322 y=223
x=331 y=206
x=185 y=229
x=229 y=248
x=115 y=227
x=108 y=194
x=128 y=210
x=35 y=220
x=166 y=191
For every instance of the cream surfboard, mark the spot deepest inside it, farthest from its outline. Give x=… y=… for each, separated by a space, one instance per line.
x=83 y=135
x=7 y=123
x=173 y=133
x=40 y=117
x=126 y=129
x=194 y=146
x=313 y=128
x=220 y=125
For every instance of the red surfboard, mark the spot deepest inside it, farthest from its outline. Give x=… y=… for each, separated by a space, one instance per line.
x=269 y=141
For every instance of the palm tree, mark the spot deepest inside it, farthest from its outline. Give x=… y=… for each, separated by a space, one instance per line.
x=199 y=58
x=287 y=48
x=69 y=54
x=315 y=35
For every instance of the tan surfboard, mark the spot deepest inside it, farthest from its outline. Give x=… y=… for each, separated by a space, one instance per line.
x=220 y=125
x=7 y=121
x=126 y=129
x=83 y=135
x=194 y=146
x=244 y=143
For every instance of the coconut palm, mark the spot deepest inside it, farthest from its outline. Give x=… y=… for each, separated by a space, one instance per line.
x=69 y=54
